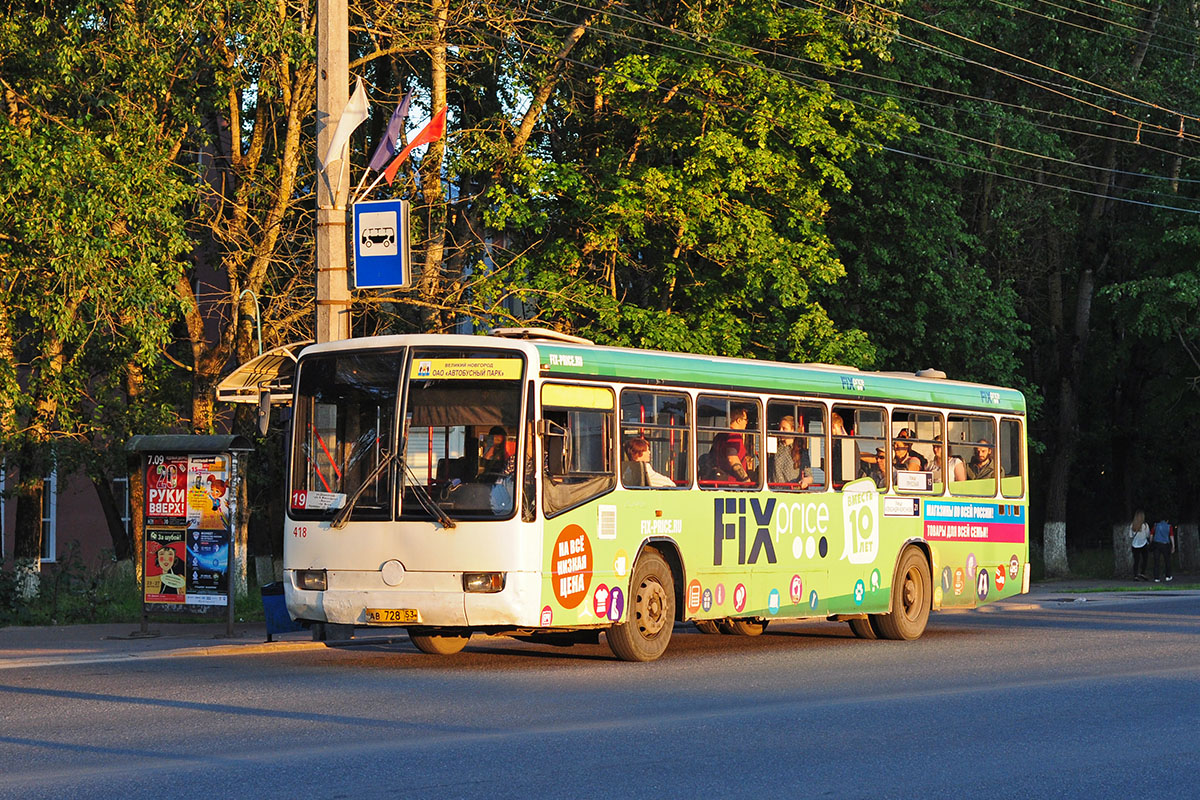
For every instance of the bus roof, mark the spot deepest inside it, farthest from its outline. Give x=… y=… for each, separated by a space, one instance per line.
x=597 y=362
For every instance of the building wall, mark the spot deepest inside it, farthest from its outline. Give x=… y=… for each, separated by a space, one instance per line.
x=76 y=517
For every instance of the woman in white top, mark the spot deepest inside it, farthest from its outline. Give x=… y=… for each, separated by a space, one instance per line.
x=1139 y=540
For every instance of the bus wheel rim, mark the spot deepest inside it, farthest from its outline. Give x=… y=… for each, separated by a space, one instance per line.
x=651 y=605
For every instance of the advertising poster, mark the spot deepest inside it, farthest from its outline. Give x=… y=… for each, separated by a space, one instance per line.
x=208 y=567
x=166 y=489
x=166 y=566
x=209 y=501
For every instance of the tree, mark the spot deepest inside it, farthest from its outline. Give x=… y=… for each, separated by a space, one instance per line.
x=89 y=235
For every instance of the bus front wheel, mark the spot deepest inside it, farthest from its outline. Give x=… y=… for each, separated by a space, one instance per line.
x=645 y=634
x=438 y=644
x=911 y=599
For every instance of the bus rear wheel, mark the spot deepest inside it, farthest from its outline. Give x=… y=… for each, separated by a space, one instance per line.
x=911 y=599
x=645 y=634
x=436 y=644
x=747 y=626
x=862 y=628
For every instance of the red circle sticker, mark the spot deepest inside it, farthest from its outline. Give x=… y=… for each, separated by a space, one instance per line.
x=797 y=589
x=694 y=594
x=572 y=571
x=600 y=601
x=739 y=597
x=1000 y=577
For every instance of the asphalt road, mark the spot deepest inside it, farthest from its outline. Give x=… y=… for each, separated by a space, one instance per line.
x=1040 y=700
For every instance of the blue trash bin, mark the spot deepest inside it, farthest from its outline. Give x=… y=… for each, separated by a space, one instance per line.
x=275 y=611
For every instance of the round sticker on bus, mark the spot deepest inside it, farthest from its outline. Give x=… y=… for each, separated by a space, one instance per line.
x=600 y=601
x=960 y=581
x=616 y=604
x=860 y=591
x=797 y=589
x=1014 y=566
x=971 y=562
x=694 y=594
x=547 y=616
x=812 y=600
x=720 y=594
x=572 y=566
x=947 y=577
x=1000 y=576
x=706 y=600
x=981 y=585
x=773 y=601
x=739 y=597
x=876 y=580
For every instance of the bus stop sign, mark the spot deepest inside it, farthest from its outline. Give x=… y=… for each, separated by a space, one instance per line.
x=381 y=258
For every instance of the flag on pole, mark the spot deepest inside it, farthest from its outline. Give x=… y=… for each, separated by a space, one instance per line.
x=352 y=116
x=387 y=148
x=430 y=133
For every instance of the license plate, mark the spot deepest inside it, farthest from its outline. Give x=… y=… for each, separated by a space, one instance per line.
x=392 y=616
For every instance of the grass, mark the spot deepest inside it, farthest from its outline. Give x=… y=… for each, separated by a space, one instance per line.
x=71 y=594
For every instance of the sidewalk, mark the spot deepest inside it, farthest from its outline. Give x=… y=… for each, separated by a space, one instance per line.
x=82 y=644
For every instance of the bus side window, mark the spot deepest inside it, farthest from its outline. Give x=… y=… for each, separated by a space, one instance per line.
x=655 y=440
x=859 y=444
x=795 y=446
x=972 y=444
x=577 y=435
x=727 y=446
x=1012 y=476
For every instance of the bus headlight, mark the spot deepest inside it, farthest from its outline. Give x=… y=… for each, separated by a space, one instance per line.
x=311 y=580
x=483 y=582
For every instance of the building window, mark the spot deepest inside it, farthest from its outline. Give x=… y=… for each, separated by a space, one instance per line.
x=120 y=490
x=49 y=516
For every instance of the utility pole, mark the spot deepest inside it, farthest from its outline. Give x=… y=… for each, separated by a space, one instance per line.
x=333 y=90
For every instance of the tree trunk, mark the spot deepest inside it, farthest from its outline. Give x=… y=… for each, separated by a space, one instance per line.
x=27 y=543
x=1187 y=544
x=122 y=547
x=1122 y=554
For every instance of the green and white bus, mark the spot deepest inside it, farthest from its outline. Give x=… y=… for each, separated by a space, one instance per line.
x=533 y=484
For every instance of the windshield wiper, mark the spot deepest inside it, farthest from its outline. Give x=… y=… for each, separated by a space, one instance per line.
x=343 y=515
x=428 y=503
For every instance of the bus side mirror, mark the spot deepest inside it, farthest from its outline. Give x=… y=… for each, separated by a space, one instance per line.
x=264 y=412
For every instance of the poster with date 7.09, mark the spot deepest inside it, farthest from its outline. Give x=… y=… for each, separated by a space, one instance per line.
x=166 y=566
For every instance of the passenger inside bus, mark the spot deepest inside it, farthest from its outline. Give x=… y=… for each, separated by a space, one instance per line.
x=957 y=471
x=500 y=456
x=637 y=470
x=789 y=465
x=981 y=464
x=731 y=461
x=903 y=456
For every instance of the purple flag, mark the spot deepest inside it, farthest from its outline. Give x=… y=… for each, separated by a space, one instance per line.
x=387 y=148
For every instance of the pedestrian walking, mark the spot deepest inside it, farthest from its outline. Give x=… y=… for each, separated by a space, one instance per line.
x=1139 y=541
x=1161 y=548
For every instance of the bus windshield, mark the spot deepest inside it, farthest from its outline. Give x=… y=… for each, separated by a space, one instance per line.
x=344 y=426
x=461 y=425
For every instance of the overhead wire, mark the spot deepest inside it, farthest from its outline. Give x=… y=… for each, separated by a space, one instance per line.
x=1040 y=171
x=794 y=76
x=1080 y=26
x=1180 y=133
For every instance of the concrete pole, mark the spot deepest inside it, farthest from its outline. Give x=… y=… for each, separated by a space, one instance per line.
x=333 y=90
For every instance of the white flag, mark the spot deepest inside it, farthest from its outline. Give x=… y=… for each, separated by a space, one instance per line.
x=353 y=115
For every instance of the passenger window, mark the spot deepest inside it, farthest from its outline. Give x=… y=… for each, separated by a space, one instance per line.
x=727 y=443
x=655 y=436
x=971 y=455
x=577 y=438
x=859 y=439
x=1012 y=480
x=917 y=451
x=795 y=446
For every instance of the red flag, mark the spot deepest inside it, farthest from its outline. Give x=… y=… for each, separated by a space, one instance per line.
x=430 y=133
